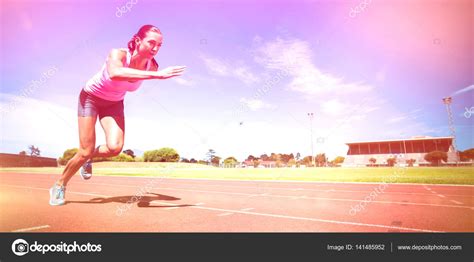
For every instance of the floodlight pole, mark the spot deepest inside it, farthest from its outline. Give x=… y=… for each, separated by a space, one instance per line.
x=311 y=115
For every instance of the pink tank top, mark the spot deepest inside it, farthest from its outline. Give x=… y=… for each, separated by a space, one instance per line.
x=102 y=86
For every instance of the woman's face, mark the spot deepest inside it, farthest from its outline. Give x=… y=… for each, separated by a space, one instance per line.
x=149 y=46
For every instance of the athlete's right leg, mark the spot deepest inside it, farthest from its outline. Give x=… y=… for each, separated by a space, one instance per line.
x=57 y=193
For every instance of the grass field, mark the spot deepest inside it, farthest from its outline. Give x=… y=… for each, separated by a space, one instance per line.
x=428 y=175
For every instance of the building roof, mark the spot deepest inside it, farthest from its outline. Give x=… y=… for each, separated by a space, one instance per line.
x=399 y=140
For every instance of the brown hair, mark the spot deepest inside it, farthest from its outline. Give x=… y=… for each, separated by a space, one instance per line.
x=132 y=45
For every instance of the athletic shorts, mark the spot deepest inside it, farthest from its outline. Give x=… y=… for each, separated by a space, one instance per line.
x=90 y=105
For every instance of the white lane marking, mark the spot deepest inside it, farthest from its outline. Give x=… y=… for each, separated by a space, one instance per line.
x=456 y=202
x=170 y=208
x=47 y=189
x=164 y=203
x=249 y=195
x=441 y=196
x=320 y=183
x=296 y=189
x=247 y=209
x=31 y=228
x=298 y=197
x=199 y=204
x=316 y=219
x=225 y=214
x=276 y=181
x=281 y=196
x=285 y=216
x=315 y=198
x=284 y=188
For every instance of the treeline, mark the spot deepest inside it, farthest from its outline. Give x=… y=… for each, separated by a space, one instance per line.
x=294 y=160
x=167 y=154
x=164 y=154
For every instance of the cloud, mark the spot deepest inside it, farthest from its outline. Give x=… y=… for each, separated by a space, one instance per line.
x=215 y=65
x=396 y=119
x=413 y=114
x=51 y=127
x=466 y=89
x=224 y=68
x=295 y=57
x=255 y=104
x=244 y=74
x=333 y=107
x=183 y=81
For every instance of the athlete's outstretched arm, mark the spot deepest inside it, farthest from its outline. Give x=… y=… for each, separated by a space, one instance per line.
x=117 y=72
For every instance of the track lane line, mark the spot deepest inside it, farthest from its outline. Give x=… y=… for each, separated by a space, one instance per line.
x=271 y=215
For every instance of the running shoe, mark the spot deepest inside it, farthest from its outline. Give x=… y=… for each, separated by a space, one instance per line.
x=57 y=195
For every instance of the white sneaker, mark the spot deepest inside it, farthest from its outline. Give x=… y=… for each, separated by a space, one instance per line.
x=57 y=195
x=86 y=170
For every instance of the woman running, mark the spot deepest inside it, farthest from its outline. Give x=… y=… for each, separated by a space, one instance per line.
x=102 y=97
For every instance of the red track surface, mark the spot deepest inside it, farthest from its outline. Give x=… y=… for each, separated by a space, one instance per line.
x=119 y=204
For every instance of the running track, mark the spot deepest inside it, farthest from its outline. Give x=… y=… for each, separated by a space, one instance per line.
x=121 y=204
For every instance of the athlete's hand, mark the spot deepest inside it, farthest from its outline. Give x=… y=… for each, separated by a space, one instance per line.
x=171 y=71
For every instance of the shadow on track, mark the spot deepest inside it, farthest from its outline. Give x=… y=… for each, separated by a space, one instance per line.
x=142 y=201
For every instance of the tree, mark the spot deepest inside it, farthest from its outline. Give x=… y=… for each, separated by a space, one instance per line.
x=372 y=161
x=165 y=154
x=264 y=157
x=286 y=157
x=67 y=155
x=321 y=159
x=298 y=156
x=410 y=162
x=338 y=160
x=230 y=162
x=210 y=154
x=34 y=151
x=215 y=160
x=250 y=158
x=122 y=157
x=391 y=161
x=256 y=162
x=192 y=160
x=307 y=161
x=435 y=157
x=279 y=163
x=184 y=160
x=273 y=156
x=202 y=162
x=129 y=152
x=292 y=162
x=467 y=155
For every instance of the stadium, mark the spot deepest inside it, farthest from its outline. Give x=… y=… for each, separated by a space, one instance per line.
x=360 y=153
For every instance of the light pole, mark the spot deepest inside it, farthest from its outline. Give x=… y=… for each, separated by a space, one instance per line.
x=311 y=115
x=447 y=101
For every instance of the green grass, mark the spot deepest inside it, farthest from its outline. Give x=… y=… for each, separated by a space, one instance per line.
x=428 y=175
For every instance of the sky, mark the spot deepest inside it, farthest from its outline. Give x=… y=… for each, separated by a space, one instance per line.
x=367 y=70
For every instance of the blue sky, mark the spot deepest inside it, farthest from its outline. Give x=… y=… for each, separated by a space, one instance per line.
x=254 y=71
